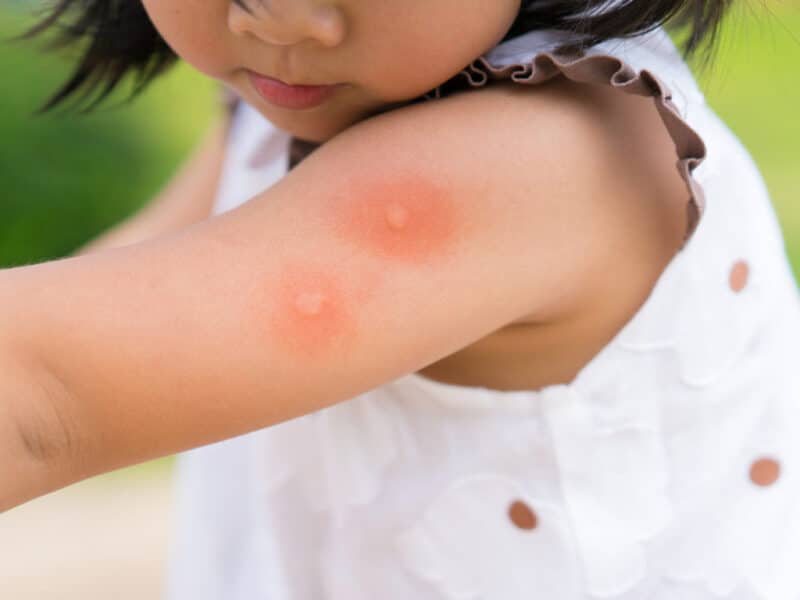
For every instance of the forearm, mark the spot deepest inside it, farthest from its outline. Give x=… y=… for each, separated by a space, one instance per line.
x=41 y=446
x=91 y=346
x=129 y=231
x=139 y=227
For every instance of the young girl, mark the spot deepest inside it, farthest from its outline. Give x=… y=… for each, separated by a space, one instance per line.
x=501 y=305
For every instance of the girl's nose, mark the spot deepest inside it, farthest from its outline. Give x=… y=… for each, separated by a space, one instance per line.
x=286 y=22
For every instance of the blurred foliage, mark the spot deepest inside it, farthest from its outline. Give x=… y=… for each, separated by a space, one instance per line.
x=753 y=86
x=67 y=177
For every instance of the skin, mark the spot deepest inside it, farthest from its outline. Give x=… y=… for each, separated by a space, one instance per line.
x=381 y=49
x=406 y=219
x=313 y=315
x=402 y=218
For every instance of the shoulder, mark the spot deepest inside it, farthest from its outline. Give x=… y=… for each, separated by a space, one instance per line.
x=583 y=177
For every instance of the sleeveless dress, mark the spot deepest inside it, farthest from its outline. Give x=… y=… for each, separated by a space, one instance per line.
x=668 y=469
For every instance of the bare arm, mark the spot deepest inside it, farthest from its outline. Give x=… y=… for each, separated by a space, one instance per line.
x=187 y=198
x=398 y=242
x=29 y=452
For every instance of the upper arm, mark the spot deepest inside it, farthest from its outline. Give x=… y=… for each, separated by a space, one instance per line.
x=398 y=242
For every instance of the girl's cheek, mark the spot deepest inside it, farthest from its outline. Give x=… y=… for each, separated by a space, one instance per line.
x=196 y=31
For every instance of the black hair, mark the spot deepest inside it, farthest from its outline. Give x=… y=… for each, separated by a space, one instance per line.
x=116 y=37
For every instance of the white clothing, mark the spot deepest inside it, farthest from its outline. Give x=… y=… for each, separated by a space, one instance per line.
x=669 y=469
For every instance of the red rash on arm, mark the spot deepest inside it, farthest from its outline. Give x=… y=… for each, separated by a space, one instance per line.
x=406 y=219
x=312 y=314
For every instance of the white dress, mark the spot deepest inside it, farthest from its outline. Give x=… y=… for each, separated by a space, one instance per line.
x=669 y=469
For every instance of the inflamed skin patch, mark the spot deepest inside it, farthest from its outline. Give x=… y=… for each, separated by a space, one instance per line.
x=406 y=219
x=313 y=311
x=316 y=300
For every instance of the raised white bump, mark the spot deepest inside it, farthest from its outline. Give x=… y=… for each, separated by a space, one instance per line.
x=309 y=303
x=396 y=215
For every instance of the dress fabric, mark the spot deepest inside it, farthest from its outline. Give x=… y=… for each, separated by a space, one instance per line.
x=669 y=469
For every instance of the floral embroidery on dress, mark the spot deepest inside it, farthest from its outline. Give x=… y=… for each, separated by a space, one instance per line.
x=479 y=540
x=614 y=479
x=338 y=455
x=738 y=528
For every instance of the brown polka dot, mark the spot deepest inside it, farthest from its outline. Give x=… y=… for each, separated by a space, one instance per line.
x=738 y=275
x=765 y=471
x=522 y=515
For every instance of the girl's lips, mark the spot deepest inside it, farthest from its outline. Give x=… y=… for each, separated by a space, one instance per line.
x=296 y=97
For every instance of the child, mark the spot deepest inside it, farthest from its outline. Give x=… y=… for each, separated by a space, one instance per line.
x=485 y=340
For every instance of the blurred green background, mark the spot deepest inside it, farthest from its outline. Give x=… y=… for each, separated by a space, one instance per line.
x=67 y=178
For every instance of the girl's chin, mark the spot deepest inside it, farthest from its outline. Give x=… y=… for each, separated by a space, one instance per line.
x=306 y=125
x=300 y=127
x=317 y=124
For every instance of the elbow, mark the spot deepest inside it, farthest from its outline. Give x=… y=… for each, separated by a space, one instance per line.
x=44 y=442
x=47 y=428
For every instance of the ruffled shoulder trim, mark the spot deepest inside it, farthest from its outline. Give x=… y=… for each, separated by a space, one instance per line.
x=599 y=69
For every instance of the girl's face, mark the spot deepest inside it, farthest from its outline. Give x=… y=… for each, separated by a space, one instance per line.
x=385 y=51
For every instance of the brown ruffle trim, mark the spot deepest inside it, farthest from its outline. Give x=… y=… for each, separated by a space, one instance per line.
x=600 y=69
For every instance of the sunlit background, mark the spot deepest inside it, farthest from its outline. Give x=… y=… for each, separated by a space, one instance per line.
x=67 y=178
